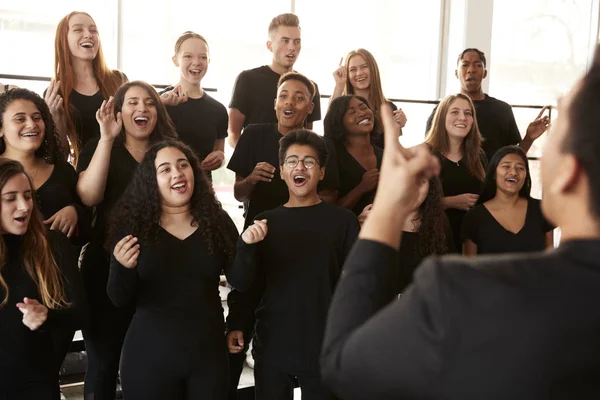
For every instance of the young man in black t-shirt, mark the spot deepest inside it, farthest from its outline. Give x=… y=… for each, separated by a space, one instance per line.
x=495 y=118
x=294 y=254
x=255 y=89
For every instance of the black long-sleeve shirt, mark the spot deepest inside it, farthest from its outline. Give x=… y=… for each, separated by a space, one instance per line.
x=298 y=265
x=27 y=357
x=511 y=327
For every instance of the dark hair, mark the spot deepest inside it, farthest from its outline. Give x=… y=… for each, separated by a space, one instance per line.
x=489 y=184
x=292 y=75
x=431 y=236
x=50 y=149
x=333 y=124
x=164 y=129
x=583 y=140
x=304 y=137
x=139 y=210
x=474 y=50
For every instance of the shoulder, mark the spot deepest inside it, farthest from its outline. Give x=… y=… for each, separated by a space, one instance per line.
x=212 y=102
x=254 y=72
x=475 y=213
x=495 y=102
x=259 y=129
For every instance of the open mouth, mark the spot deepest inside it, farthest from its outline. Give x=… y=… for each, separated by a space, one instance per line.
x=142 y=122
x=87 y=45
x=196 y=72
x=512 y=180
x=289 y=113
x=460 y=126
x=361 y=79
x=30 y=134
x=365 y=121
x=179 y=187
x=21 y=220
x=290 y=57
x=300 y=180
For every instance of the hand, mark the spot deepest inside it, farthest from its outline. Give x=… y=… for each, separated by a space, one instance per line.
x=34 y=313
x=340 y=74
x=263 y=172
x=235 y=341
x=54 y=100
x=369 y=180
x=400 y=118
x=109 y=127
x=213 y=161
x=65 y=220
x=127 y=251
x=255 y=232
x=538 y=126
x=174 y=97
x=364 y=214
x=464 y=201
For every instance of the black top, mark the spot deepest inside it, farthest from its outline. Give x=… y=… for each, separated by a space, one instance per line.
x=175 y=282
x=199 y=123
x=60 y=191
x=503 y=327
x=377 y=138
x=120 y=171
x=485 y=231
x=298 y=264
x=456 y=180
x=254 y=93
x=27 y=357
x=260 y=143
x=84 y=115
x=496 y=123
x=351 y=173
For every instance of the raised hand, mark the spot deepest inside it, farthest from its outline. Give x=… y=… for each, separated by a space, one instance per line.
x=340 y=74
x=54 y=100
x=263 y=172
x=109 y=126
x=127 y=251
x=400 y=118
x=65 y=220
x=34 y=313
x=538 y=126
x=213 y=161
x=174 y=97
x=255 y=232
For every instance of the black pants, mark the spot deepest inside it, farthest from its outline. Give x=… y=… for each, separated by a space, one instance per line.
x=106 y=329
x=274 y=384
x=37 y=392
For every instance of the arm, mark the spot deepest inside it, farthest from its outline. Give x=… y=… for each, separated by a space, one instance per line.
x=243 y=271
x=329 y=196
x=242 y=188
x=236 y=123
x=122 y=283
x=469 y=248
x=352 y=197
x=92 y=182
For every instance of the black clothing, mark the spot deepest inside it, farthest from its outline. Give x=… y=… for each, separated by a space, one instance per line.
x=502 y=327
x=108 y=324
x=254 y=94
x=178 y=315
x=456 y=180
x=351 y=173
x=28 y=358
x=271 y=383
x=377 y=137
x=485 y=231
x=496 y=123
x=297 y=264
x=84 y=115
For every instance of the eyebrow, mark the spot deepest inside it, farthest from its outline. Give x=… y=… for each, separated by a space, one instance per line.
x=15 y=192
x=77 y=25
x=137 y=98
x=168 y=163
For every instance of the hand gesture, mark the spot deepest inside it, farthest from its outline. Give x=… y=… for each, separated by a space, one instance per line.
x=370 y=179
x=400 y=118
x=364 y=214
x=255 y=232
x=465 y=201
x=538 y=126
x=54 y=100
x=65 y=220
x=235 y=341
x=213 y=161
x=263 y=172
x=109 y=126
x=174 y=97
x=127 y=251
x=34 y=313
x=340 y=74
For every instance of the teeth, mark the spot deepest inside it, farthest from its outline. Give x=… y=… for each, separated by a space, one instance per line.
x=140 y=119
x=364 y=121
x=30 y=134
x=460 y=126
x=288 y=112
x=195 y=71
x=87 y=45
x=178 y=186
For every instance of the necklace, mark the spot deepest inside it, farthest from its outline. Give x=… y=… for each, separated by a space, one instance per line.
x=134 y=149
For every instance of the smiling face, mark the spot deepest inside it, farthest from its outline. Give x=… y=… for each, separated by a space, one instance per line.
x=303 y=178
x=174 y=177
x=511 y=173
x=139 y=113
x=192 y=59
x=17 y=205
x=23 y=127
x=359 y=73
x=358 y=118
x=83 y=37
x=459 y=119
x=293 y=104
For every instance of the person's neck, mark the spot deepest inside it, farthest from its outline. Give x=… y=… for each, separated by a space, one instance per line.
x=505 y=200
x=279 y=69
x=455 y=152
x=136 y=145
x=358 y=142
x=304 y=201
x=285 y=130
x=29 y=160
x=412 y=219
x=84 y=71
x=175 y=215
x=476 y=95
x=194 y=91
x=363 y=93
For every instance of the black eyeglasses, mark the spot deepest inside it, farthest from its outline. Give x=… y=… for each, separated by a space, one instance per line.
x=292 y=162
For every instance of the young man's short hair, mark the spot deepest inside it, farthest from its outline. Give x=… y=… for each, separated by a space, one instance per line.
x=304 y=137
x=292 y=75
x=474 y=50
x=287 y=19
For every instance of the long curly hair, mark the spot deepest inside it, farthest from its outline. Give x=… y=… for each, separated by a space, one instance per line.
x=489 y=184
x=108 y=80
x=333 y=125
x=431 y=236
x=50 y=149
x=36 y=252
x=139 y=210
x=437 y=137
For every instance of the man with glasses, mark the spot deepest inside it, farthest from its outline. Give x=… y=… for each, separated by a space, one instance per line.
x=294 y=254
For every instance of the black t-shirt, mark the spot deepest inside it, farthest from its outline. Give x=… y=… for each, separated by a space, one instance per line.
x=496 y=123
x=199 y=123
x=84 y=115
x=260 y=143
x=377 y=138
x=456 y=179
x=254 y=94
x=351 y=173
x=120 y=171
x=297 y=265
x=480 y=227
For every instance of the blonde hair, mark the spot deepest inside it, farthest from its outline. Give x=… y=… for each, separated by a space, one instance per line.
x=287 y=19
x=185 y=36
